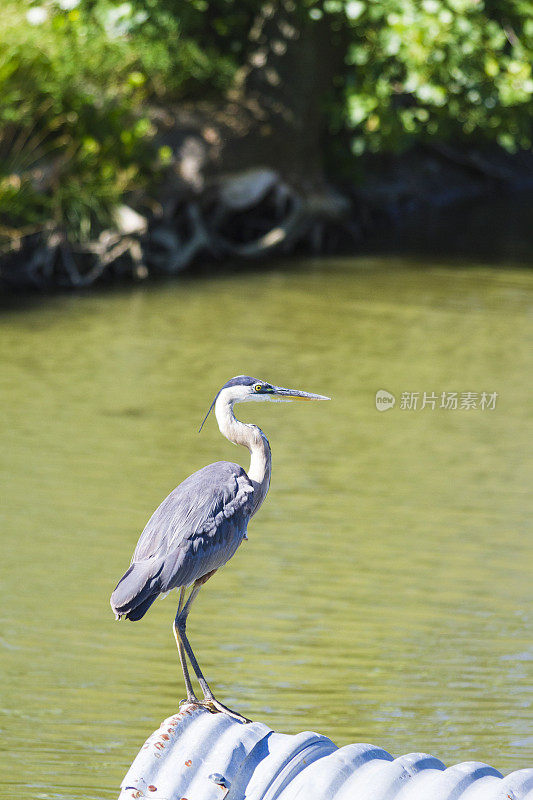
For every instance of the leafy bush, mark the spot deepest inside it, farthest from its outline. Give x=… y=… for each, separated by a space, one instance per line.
x=76 y=78
x=438 y=68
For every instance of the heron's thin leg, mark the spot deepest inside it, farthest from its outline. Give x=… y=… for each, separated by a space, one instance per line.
x=182 y=595
x=179 y=626
x=191 y=697
x=209 y=699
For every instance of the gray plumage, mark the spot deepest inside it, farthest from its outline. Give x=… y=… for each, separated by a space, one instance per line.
x=200 y=525
x=195 y=530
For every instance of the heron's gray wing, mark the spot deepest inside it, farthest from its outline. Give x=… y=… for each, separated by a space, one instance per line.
x=199 y=526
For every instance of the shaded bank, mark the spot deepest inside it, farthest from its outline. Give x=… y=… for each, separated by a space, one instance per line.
x=264 y=170
x=474 y=219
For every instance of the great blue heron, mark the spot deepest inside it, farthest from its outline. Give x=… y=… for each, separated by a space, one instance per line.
x=200 y=525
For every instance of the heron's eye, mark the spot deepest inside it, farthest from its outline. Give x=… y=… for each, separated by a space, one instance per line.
x=257 y=387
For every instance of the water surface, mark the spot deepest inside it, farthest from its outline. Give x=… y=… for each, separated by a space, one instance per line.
x=384 y=594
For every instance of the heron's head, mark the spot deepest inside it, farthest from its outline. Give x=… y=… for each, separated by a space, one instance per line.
x=243 y=389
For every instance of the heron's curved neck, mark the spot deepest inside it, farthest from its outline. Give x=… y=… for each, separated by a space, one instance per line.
x=254 y=439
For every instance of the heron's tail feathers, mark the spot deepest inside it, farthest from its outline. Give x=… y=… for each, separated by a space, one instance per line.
x=138 y=588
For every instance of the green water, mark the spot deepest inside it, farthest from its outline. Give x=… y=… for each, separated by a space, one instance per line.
x=384 y=594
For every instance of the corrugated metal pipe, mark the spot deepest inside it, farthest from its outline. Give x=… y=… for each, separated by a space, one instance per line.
x=197 y=755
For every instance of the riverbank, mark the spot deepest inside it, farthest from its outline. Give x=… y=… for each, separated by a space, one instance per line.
x=137 y=142
x=428 y=201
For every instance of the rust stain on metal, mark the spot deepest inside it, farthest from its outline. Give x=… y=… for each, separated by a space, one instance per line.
x=220 y=781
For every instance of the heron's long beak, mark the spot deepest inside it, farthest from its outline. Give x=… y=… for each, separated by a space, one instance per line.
x=296 y=394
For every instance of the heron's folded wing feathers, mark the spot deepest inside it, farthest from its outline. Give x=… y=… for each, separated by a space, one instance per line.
x=198 y=527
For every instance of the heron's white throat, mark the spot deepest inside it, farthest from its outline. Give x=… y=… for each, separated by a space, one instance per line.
x=249 y=436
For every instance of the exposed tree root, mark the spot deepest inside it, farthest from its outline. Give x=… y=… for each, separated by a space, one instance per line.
x=245 y=216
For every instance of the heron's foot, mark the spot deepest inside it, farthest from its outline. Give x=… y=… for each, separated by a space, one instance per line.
x=189 y=701
x=216 y=707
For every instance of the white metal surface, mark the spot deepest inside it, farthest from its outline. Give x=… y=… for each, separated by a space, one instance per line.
x=196 y=755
